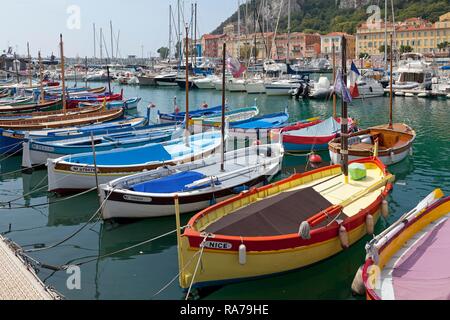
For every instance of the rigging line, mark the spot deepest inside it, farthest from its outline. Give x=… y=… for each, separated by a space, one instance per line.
x=177 y=275
x=51 y=202
x=34 y=189
x=20 y=170
x=10 y=147
x=77 y=231
x=11 y=155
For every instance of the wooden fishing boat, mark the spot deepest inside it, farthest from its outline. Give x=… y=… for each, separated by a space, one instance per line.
x=392 y=145
x=11 y=140
x=311 y=136
x=99 y=98
x=37 y=151
x=69 y=120
x=16 y=101
x=410 y=260
x=232 y=117
x=128 y=104
x=180 y=116
x=47 y=105
x=79 y=171
x=283 y=226
x=198 y=184
x=47 y=114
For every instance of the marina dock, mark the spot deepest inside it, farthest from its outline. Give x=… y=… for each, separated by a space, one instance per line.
x=420 y=93
x=18 y=280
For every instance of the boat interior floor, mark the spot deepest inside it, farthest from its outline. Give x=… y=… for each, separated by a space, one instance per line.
x=283 y=213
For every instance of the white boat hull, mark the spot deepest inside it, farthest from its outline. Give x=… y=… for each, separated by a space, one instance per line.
x=387 y=160
x=255 y=87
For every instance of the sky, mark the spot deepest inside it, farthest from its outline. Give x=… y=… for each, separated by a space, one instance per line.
x=141 y=23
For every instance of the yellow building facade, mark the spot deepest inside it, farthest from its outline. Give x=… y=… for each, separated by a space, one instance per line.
x=421 y=35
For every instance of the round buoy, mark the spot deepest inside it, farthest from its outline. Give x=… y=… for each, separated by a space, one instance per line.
x=242 y=254
x=385 y=209
x=204 y=105
x=152 y=105
x=315 y=158
x=370 y=225
x=343 y=237
x=177 y=109
x=358 y=286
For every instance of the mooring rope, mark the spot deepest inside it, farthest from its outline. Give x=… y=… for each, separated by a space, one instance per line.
x=202 y=245
x=10 y=147
x=20 y=170
x=11 y=155
x=76 y=231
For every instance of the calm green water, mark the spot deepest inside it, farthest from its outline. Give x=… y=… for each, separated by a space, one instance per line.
x=139 y=273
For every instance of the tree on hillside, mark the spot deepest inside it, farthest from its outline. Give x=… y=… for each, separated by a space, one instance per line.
x=163 y=52
x=405 y=49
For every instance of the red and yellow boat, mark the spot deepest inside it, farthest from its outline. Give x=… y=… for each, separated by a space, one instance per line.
x=410 y=260
x=284 y=226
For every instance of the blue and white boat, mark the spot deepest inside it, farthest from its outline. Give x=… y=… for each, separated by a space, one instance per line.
x=11 y=140
x=73 y=173
x=129 y=104
x=259 y=126
x=37 y=151
x=180 y=116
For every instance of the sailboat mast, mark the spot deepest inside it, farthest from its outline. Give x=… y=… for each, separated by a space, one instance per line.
x=391 y=102
x=187 y=78
x=41 y=78
x=95 y=40
x=385 y=34
x=30 y=76
x=101 y=45
x=61 y=45
x=180 y=53
x=170 y=31
x=112 y=40
x=222 y=159
x=85 y=71
x=195 y=35
x=344 y=118
x=254 y=29
x=334 y=82
x=239 y=30
x=289 y=33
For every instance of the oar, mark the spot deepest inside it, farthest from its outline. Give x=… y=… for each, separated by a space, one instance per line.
x=410 y=215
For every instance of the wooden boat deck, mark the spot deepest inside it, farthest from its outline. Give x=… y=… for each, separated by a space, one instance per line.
x=17 y=280
x=283 y=213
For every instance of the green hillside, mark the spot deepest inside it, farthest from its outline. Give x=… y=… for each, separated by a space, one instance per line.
x=325 y=16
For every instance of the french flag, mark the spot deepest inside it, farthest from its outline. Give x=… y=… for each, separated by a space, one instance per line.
x=235 y=67
x=353 y=85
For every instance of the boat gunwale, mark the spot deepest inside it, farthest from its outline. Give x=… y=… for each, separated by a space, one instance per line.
x=287 y=241
x=371 y=293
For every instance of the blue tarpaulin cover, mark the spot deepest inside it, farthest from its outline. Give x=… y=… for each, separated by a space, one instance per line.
x=169 y=184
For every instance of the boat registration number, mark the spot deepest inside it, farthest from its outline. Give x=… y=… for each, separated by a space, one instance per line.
x=218 y=245
x=42 y=148
x=82 y=169
x=136 y=198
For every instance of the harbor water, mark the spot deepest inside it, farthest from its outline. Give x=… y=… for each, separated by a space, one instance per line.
x=141 y=272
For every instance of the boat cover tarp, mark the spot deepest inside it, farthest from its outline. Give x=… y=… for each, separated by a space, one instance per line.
x=132 y=156
x=423 y=272
x=265 y=122
x=173 y=183
x=325 y=128
x=277 y=215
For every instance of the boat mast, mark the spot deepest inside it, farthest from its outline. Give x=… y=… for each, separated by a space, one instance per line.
x=239 y=30
x=41 y=78
x=95 y=45
x=385 y=35
x=222 y=154
x=30 y=77
x=187 y=80
x=85 y=71
x=170 y=31
x=112 y=40
x=180 y=50
x=61 y=45
x=344 y=117
x=393 y=23
x=195 y=35
x=390 y=91
x=101 y=45
x=16 y=69
x=289 y=32
x=334 y=82
x=254 y=30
